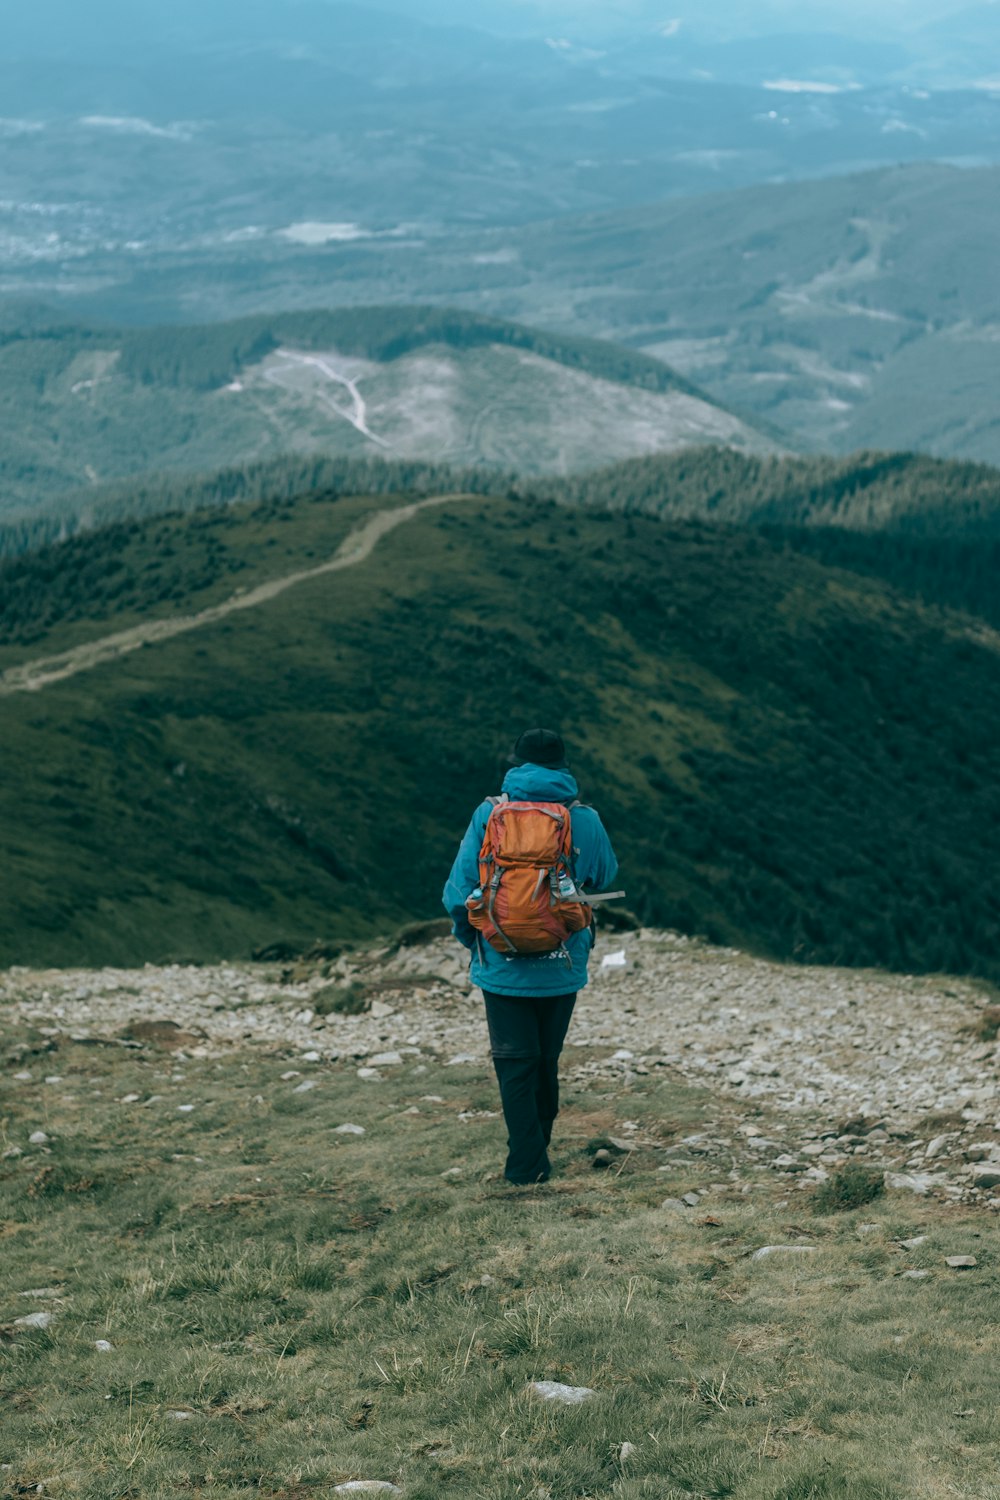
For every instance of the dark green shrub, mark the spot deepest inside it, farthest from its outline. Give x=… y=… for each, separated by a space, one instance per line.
x=851 y=1187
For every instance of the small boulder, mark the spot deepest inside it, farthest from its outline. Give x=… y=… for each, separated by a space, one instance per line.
x=563 y=1395
x=367 y=1487
x=979 y=1150
x=766 y=1251
x=961 y=1262
x=34 y=1320
x=906 y=1182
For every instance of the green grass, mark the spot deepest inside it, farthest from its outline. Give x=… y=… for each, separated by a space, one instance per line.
x=789 y=758
x=327 y=1307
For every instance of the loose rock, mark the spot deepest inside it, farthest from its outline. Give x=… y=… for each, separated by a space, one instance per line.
x=565 y=1395
x=367 y=1486
x=34 y=1320
x=767 y=1250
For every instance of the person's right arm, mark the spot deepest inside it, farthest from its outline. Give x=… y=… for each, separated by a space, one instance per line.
x=464 y=877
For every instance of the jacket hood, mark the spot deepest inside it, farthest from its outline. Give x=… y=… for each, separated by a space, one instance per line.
x=531 y=783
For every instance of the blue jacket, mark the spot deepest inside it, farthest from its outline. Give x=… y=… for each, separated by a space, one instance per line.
x=595 y=868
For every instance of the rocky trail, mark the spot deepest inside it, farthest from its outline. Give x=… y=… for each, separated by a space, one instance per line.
x=803 y=1069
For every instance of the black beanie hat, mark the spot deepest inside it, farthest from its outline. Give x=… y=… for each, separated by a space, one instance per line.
x=542 y=747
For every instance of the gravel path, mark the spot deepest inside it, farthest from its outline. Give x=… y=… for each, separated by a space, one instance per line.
x=805 y=1067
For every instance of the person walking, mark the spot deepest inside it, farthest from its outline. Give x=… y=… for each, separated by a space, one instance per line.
x=517 y=897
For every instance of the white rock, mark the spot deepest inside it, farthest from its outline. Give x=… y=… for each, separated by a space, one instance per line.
x=349 y=1130
x=22 y=1077
x=937 y=1147
x=102 y=1346
x=367 y=1487
x=566 y=1395
x=461 y=1059
x=626 y=1451
x=54 y=1078
x=452 y=1172
x=914 y=1275
x=10 y=1153
x=370 y=1075
x=34 y=1320
x=986 y=1175
x=306 y=1085
x=38 y=1138
x=130 y=1099
x=616 y=960
x=766 y=1250
x=179 y=1416
x=292 y=1073
x=691 y=1199
x=905 y=1182
x=184 y=1109
x=386 y=1060
x=961 y=1262
x=43 y=1291
x=431 y=1099
x=980 y=1151
x=918 y=1239
x=311 y=1057
x=381 y=1011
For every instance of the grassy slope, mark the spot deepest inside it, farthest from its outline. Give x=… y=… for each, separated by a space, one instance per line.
x=326 y=1308
x=788 y=757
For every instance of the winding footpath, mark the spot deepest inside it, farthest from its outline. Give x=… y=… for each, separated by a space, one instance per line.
x=32 y=676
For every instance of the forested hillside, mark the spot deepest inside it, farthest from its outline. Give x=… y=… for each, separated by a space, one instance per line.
x=789 y=756
x=85 y=407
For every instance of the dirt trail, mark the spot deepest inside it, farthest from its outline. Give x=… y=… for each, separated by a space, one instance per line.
x=32 y=676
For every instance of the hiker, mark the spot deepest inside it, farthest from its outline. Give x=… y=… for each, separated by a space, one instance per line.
x=518 y=910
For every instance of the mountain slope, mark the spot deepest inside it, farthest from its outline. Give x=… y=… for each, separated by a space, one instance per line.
x=786 y=754
x=91 y=405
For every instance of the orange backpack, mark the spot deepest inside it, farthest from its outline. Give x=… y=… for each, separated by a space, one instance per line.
x=527 y=901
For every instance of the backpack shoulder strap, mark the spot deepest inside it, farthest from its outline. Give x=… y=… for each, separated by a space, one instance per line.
x=498 y=801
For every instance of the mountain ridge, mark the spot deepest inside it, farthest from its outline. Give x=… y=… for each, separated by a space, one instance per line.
x=788 y=754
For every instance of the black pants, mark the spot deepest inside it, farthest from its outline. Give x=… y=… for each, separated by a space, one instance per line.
x=526 y=1038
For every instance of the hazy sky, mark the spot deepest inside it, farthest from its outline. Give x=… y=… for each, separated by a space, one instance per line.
x=718 y=16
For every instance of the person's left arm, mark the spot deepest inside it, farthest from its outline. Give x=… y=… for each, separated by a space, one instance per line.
x=596 y=864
